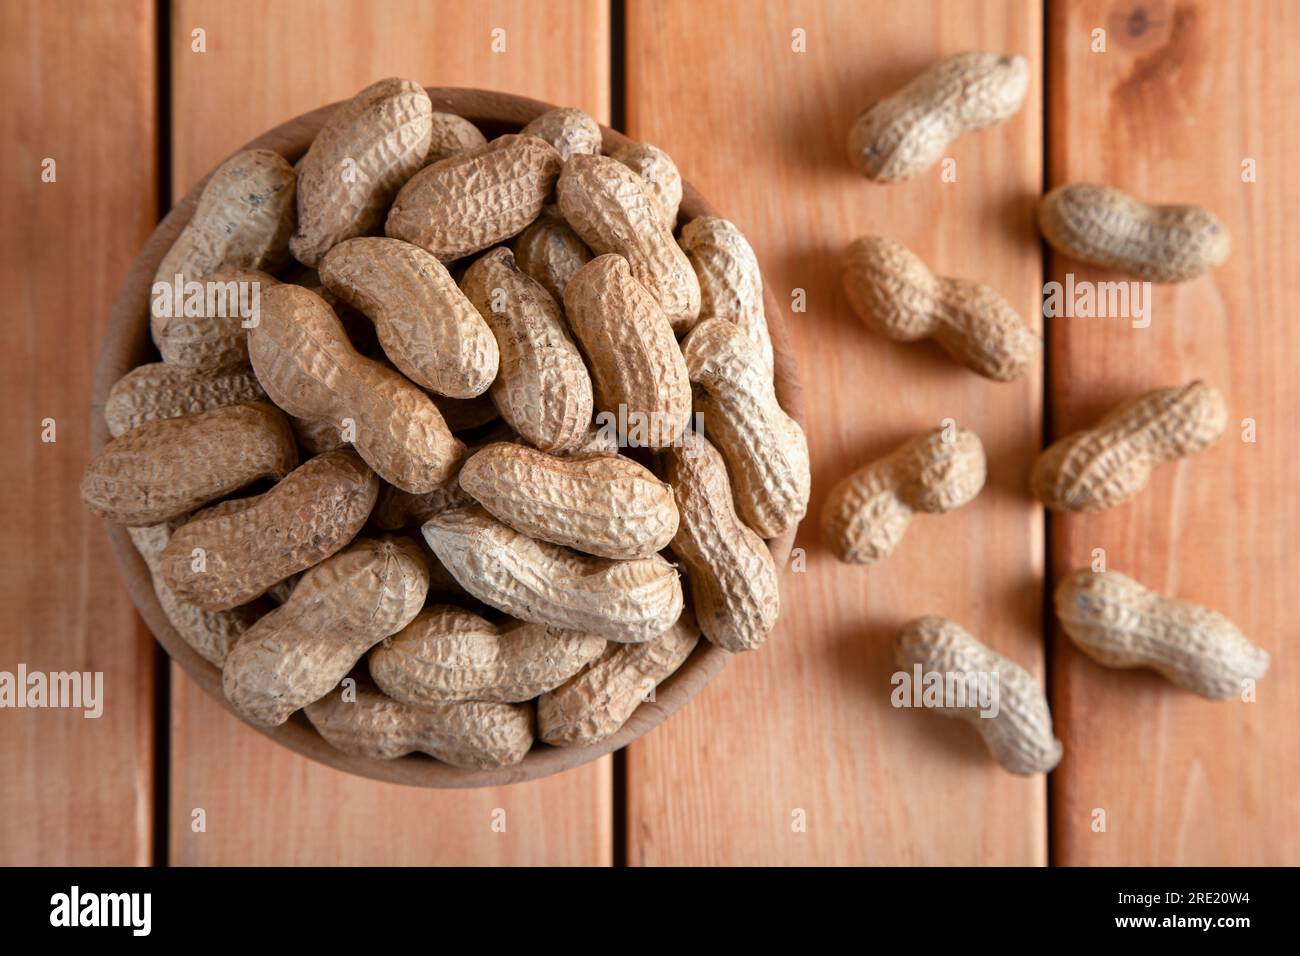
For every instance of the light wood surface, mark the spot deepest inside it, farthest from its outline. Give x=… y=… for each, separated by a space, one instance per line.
x=1172 y=109
x=77 y=86
x=304 y=54
x=805 y=727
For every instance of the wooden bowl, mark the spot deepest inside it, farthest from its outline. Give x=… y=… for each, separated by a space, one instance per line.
x=127 y=344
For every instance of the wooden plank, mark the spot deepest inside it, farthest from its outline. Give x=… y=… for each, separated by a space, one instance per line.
x=262 y=803
x=77 y=86
x=1182 y=96
x=805 y=723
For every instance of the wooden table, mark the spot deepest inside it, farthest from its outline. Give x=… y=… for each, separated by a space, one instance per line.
x=793 y=755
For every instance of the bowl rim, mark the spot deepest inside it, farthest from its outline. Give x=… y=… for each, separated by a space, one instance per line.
x=127 y=343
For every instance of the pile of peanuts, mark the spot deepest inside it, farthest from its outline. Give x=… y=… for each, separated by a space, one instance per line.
x=420 y=491
x=1111 y=617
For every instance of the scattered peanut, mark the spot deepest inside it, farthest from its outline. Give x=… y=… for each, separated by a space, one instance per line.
x=1019 y=735
x=659 y=173
x=1109 y=228
x=625 y=601
x=367 y=149
x=907 y=132
x=475 y=199
x=450 y=654
x=1119 y=623
x=451 y=134
x=308 y=516
x=426 y=326
x=166 y=468
x=550 y=252
x=1111 y=462
x=897 y=296
x=472 y=734
x=598 y=701
x=637 y=368
x=732 y=576
x=613 y=211
x=542 y=389
x=156 y=391
x=764 y=448
x=570 y=131
x=731 y=287
x=306 y=364
x=340 y=609
x=604 y=505
x=866 y=513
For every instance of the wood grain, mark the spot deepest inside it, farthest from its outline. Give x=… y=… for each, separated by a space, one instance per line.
x=76 y=86
x=803 y=729
x=300 y=56
x=1184 y=93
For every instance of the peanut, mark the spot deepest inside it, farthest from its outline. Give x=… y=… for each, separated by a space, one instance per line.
x=306 y=364
x=316 y=437
x=659 y=173
x=366 y=150
x=570 y=131
x=1020 y=734
x=218 y=337
x=1106 y=227
x=906 y=133
x=308 y=516
x=600 y=440
x=157 y=391
x=1111 y=462
x=211 y=633
x=542 y=390
x=450 y=654
x=475 y=199
x=897 y=296
x=426 y=326
x=1119 y=623
x=612 y=211
x=163 y=469
x=341 y=608
x=595 y=703
x=401 y=509
x=242 y=221
x=764 y=448
x=603 y=505
x=867 y=513
x=731 y=286
x=731 y=573
x=637 y=368
x=551 y=253
x=451 y=134
x=625 y=601
x=473 y=734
